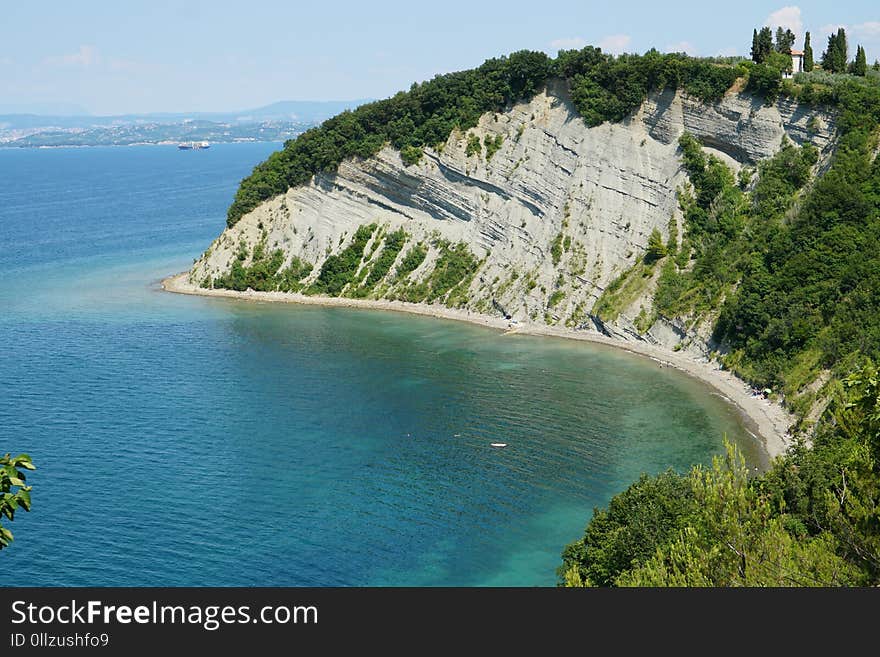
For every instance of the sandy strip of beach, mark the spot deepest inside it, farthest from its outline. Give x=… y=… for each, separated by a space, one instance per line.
x=767 y=419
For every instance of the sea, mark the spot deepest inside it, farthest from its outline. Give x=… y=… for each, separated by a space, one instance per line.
x=190 y=441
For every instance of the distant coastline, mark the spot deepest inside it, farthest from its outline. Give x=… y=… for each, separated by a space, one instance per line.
x=767 y=420
x=144 y=143
x=171 y=142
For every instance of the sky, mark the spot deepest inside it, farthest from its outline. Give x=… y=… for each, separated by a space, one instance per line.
x=145 y=56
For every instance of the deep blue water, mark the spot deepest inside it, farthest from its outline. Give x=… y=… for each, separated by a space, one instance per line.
x=192 y=441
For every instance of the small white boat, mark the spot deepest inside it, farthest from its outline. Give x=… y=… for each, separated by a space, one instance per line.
x=499 y=444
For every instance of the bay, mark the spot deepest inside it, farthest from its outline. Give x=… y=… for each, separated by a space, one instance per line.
x=217 y=442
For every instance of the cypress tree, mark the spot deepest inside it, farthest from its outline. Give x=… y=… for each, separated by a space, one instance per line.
x=780 y=39
x=765 y=44
x=808 y=54
x=784 y=41
x=860 y=65
x=834 y=58
x=756 y=50
x=840 y=52
x=829 y=53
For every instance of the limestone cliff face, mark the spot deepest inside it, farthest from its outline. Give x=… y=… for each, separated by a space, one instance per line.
x=553 y=217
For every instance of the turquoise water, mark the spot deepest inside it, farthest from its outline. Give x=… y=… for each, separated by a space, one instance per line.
x=193 y=441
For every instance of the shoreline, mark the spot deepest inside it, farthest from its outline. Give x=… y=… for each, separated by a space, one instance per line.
x=767 y=420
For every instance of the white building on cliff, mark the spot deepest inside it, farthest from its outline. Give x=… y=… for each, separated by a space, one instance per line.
x=797 y=63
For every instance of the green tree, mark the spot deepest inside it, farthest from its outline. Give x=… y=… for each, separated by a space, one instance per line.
x=784 y=40
x=656 y=247
x=672 y=242
x=766 y=79
x=808 y=54
x=14 y=492
x=734 y=538
x=876 y=65
x=764 y=43
x=473 y=146
x=637 y=522
x=756 y=49
x=835 y=57
x=411 y=155
x=860 y=64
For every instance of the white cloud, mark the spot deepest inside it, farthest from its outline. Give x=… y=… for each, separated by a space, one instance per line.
x=730 y=51
x=830 y=28
x=615 y=43
x=85 y=57
x=787 y=17
x=568 y=43
x=682 y=46
x=869 y=30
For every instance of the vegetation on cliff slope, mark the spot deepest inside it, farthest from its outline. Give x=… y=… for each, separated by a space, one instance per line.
x=811 y=520
x=792 y=264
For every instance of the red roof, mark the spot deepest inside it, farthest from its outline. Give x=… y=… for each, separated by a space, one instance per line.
x=797 y=52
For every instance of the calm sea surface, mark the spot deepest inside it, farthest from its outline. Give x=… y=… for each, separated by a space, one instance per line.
x=192 y=441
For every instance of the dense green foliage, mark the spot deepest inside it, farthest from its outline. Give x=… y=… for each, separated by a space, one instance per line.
x=656 y=247
x=765 y=79
x=449 y=279
x=811 y=520
x=784 y=40
x=15 y=494
x=637 y=521
x=290 y=278
x=411 y=261
x=411 y=155
x=393 y=245
x=811 y=282
x=339 y=269
x=860 y=63
x=715 y=218
x=604 y=88
x=473 y=146
x=835 y=57
x=792 y=260
x=789 y=259
x=264 y=273
x=762 y=44
x=260 y=275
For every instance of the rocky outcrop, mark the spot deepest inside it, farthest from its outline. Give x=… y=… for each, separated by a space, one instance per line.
x=741 y=125
x=554 y=216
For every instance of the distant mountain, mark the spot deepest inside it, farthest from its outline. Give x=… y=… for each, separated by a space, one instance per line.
x=44 y=109
x=297 y=111
x=276 y=122
x=313 y=111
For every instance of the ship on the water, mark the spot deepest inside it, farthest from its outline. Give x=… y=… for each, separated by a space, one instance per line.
x=193 y=145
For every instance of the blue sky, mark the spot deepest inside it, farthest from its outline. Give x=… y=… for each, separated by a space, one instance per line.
x=139 y=56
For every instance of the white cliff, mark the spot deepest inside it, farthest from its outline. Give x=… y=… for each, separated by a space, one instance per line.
x=556 y=214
